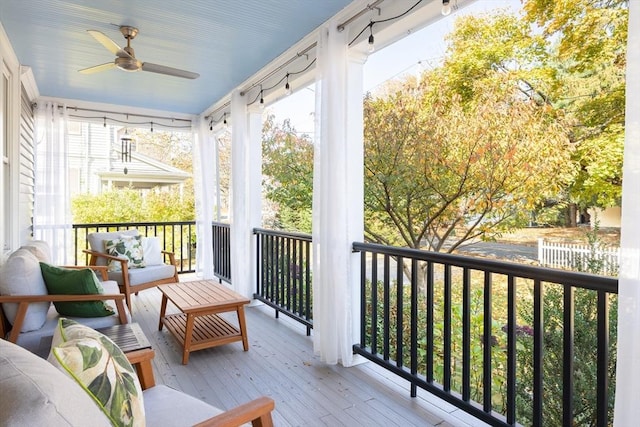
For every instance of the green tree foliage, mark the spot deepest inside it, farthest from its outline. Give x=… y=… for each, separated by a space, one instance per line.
x=288 y=170
x=128 y=205
x=588 y=40
x=440 y=171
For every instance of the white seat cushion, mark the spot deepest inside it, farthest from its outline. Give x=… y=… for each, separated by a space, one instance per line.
x=183 y=410
x=146 y=274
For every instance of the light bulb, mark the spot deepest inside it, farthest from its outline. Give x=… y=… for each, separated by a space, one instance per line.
x=287 y=89
x=446 y=7
x=372 y=47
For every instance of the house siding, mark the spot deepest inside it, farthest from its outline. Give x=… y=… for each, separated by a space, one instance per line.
x=89 y=153
x=26 y=168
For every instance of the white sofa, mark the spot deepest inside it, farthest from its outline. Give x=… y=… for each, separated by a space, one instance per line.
x=26 y=310
x=33 y=392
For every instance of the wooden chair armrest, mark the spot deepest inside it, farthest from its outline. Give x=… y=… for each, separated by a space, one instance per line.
x=102 y=269
x=172 y=257
x=23 y=302
x=258 y=412
x=103 y=255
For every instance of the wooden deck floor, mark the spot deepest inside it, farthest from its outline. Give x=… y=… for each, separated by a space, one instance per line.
x=280 y=363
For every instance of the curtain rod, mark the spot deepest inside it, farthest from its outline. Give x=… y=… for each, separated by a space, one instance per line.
x=146 y=116
x=369 y=7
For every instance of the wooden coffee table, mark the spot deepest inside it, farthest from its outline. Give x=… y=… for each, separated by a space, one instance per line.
x=198 y=326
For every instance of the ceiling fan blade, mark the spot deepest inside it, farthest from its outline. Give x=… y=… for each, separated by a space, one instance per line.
x=98 y=68
x=161 y=69
x=108 y=43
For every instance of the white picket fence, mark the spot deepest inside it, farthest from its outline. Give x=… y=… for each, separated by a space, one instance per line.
x=579 y=257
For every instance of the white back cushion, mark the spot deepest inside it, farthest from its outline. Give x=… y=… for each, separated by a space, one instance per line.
x=96 y=241
x=151 y=251
x=21 y=275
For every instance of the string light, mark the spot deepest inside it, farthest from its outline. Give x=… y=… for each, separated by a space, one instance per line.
x=261 y=100
x=287 y=88
x=371 y=45
x=104 y=124
x=211 y=124
x=151 y=127
x=224 y=119
x=446 y=7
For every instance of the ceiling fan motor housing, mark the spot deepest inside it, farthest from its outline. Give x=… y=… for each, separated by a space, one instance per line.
x=128 y=63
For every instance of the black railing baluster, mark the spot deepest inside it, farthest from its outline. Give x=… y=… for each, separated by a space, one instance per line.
x=430 y=325
x=414 y=325
x=487 y=341
x=603 y=359
x=466 y=335
x=386 y=307
x=511 y=349
x=364 y=299
x=538 y=352
x=399 y=350
x=568 y=354
x=446 y=330
x=374 y=303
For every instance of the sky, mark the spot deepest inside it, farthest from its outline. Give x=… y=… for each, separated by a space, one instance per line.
x=410 y=55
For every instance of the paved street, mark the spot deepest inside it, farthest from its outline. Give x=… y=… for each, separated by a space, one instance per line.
x=504 y=251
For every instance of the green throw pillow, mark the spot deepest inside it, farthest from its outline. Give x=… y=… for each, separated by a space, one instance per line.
x=100 y=367
x=126 y=247
x=65 y=281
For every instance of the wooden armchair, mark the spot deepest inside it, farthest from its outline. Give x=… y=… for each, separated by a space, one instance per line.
x=132 y=280
x=31 y=339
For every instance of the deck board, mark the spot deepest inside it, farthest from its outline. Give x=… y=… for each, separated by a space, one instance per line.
x=280 y=364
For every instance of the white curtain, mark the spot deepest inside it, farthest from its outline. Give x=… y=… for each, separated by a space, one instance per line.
x=627 y=409
x=205 y=167
x=241 y=264
x=332 y=295
x=52 y=204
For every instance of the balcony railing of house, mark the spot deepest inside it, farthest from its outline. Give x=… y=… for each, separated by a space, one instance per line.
x=511 y=344
x=508 y=343
x=176 y=236
x=284 y=273
x=222 y=251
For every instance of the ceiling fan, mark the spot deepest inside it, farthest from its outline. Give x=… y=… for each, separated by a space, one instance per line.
x=126 y=59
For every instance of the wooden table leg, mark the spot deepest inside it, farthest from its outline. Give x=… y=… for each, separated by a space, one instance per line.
x=188 y=334
x=163 y=309
x=243 y=327
x=141 y=360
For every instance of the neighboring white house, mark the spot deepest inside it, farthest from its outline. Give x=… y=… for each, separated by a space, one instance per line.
x=96 y=162
x=608 y=217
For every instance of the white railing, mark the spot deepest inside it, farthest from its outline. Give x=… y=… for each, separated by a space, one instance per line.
x=601 y=259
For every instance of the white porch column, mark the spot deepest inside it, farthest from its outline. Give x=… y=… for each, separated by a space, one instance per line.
x=338 y=210
x=627 y=409
x=246 y=190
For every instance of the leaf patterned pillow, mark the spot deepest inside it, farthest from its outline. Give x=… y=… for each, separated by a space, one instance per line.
x=126 y=247
x=102 y=370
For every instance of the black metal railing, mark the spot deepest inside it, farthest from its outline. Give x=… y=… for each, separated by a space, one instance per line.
x=508 y=343
x=284 y=273
x=178 y=237
x=222 y=251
